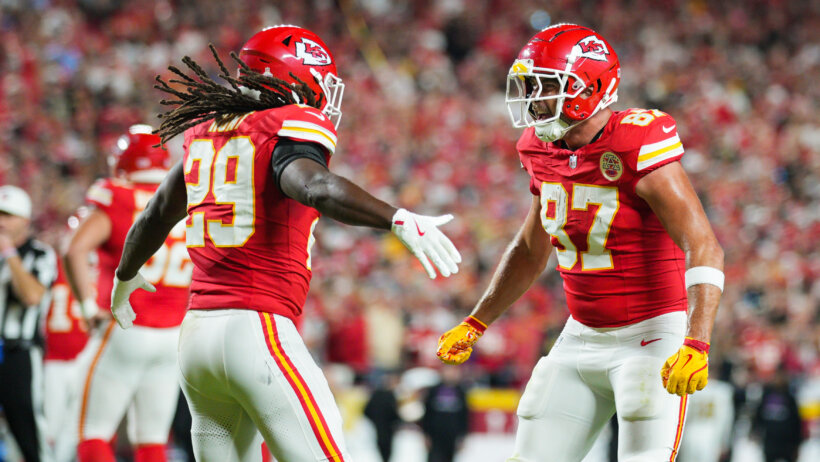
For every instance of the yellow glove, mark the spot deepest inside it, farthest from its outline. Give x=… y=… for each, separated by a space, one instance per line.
x=455 y=345
x=687 y=370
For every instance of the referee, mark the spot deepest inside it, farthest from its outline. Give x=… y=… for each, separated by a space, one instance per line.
x=27 y=270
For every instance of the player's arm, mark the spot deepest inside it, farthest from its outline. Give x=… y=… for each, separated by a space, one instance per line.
x=522 y=263
x=671 y=196
x=309 y=182
x=301 y=172
x=165 y=209
x=92 y=232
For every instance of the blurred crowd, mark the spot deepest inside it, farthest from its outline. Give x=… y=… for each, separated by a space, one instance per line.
x=425 y=126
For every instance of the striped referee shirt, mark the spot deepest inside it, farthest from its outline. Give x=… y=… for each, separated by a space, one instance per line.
x=20 y=324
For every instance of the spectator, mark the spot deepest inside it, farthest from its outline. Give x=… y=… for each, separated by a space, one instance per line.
x=778 y=421
x=445 y=422
x=383 y=410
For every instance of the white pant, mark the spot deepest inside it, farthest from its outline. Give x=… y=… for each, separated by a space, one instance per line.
x=63 y=381
x=242 y=371
x=132 y=370
x=587 y=376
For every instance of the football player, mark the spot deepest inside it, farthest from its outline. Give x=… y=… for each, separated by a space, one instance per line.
x=253 y=181
x=132 y=371
x=633 y=246
x=66 y=336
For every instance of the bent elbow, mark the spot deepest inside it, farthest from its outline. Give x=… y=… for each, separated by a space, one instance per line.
x=73 y=253
x=318 y=193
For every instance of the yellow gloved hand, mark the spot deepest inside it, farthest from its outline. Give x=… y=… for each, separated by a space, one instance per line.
x=456 y=345
x=687 y=370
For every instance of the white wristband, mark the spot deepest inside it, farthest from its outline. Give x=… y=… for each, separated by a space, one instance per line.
x=704 y=275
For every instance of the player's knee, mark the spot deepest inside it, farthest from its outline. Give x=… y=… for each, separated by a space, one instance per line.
x=535 y=394
x=641 y=394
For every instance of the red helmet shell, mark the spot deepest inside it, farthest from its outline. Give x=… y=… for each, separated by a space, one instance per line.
x=136 y=152
x=282 y=50
x=569 y=48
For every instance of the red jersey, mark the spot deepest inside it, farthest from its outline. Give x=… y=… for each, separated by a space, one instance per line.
x=169 y=269
x=66 y=334
x=618 y=263
x=250 y=244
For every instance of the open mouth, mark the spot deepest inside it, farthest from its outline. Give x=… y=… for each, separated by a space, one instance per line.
x=540 y=112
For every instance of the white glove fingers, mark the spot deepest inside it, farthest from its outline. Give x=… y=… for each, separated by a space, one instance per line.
x=426 y=264
x=451 y=249
x=442 y=219
x=440 y=258
x=444 y=256
x=125 y=315
x=148 y=286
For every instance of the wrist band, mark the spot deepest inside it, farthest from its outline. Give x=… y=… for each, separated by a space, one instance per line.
x=8 y=253
x=696 y=344
x=704 y=275
x=475 y=323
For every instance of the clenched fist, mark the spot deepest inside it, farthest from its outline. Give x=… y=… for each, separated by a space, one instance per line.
x=687 y=370
x=456 y=345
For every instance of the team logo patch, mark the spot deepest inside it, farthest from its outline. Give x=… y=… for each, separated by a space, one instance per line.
x=611 y=166
x=592 y=47
x=311 y=53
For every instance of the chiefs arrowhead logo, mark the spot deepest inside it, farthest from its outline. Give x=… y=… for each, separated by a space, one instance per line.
x=592 y=47
x=611 y=166
x=311 y=53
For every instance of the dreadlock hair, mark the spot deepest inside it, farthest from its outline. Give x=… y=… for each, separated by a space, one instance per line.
x=204 y=99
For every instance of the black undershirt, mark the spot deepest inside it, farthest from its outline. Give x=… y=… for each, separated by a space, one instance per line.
x=563 y=144
x=287 y=150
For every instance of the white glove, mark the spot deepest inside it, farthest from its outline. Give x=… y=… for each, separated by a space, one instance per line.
x=120 y=295
x=89 y=308
x=421 y=235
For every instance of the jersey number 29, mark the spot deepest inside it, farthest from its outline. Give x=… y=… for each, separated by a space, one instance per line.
x=231 y=186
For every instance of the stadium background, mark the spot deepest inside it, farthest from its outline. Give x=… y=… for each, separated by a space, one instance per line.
x=425 y=126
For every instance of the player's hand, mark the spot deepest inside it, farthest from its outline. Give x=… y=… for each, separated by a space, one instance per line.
x=89 y=308
x=687 y=370
x=120 y=295
x=421 y=235
x=456 y=345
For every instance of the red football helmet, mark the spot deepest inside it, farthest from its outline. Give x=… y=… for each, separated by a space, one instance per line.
x=576 y=58
x=137 y=159
x=285 y=49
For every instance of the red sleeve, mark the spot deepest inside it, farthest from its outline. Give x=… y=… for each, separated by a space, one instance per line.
x=526 y=160
x=654 y=140
x=306 y=123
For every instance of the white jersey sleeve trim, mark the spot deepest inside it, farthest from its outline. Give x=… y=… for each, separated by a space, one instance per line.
x=308 y=131
x=654 y=153
x=101 y=194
